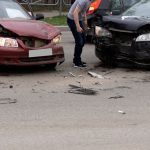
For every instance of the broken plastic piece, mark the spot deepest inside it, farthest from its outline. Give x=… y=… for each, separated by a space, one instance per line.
x=122 y=112
x=71 y=74
x=80 y=90
x=95 y=75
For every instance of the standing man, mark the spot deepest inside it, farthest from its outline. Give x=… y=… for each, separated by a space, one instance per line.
x=77 y=20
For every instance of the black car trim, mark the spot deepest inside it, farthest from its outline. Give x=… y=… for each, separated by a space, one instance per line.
x=113 y=29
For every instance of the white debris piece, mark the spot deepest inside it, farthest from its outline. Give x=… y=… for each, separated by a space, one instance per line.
x=95 y=75
x=122 y=112
x=81 y=76
x=71 y=74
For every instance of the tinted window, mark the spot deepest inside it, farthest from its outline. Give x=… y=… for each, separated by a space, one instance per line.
x=122 y=4
x=116 y=5
x=140 y=9
x=129 y=3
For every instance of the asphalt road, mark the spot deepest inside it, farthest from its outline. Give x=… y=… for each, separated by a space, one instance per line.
x=39 y=110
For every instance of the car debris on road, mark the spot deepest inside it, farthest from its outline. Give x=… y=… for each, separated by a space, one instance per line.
x=122 y=112
x=81 y=90
x=95 y=75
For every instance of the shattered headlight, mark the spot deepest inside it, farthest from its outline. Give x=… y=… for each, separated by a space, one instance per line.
x=57 y=39
x=99 y=31
x=8 y=42
x=143 y=38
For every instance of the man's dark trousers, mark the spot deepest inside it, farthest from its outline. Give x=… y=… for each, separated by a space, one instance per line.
x=80 y=40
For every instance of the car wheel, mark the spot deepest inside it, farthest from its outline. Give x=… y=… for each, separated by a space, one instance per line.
x=108 y=61
x=106 y=57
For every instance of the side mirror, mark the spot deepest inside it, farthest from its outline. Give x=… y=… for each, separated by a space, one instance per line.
x=39 y=16
x=116 y=12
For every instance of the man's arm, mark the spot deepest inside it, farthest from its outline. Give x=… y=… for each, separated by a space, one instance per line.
x=85 y=22
x=76 y=19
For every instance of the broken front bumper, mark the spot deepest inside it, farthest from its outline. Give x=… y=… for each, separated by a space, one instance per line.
x=20 y=57
x=109 y=52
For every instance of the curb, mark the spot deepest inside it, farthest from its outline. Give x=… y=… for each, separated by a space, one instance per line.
x=63 y=28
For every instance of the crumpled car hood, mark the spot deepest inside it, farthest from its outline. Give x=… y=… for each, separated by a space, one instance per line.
x=31 y=28
x=125 y=22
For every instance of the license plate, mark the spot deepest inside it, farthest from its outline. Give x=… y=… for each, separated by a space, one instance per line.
x=40 y=52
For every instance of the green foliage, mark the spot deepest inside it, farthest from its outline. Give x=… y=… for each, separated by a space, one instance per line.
x=57 y=20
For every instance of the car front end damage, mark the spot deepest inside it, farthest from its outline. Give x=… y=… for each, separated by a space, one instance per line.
x=26 y=43
x=123 y=47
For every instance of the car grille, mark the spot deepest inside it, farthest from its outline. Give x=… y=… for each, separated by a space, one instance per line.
x=37 y=59
x=34 y=42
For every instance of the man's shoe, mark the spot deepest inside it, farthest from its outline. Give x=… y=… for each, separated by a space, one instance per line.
x=83 y=62
x=80 y=65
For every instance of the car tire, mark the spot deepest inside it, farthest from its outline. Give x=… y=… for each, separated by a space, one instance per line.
x=105 y=58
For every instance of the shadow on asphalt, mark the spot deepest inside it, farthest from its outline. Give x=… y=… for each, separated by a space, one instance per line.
x=13 y=70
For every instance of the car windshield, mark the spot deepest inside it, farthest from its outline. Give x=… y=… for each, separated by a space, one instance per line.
x=129 y=3
x=12 y=10
x=141 y=9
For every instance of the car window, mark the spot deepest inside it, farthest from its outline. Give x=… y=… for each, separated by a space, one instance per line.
x=129 y=3
x=122 y=4
x=14 y=13
x=11 y=9
x=116 y=5
x=140 y=9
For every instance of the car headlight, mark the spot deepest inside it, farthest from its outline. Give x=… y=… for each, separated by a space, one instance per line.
x=8 y=42
x=143 y=37
x=99 y=31
x=57 y=39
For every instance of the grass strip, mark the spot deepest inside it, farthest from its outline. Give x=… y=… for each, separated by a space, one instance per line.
x=57 y=20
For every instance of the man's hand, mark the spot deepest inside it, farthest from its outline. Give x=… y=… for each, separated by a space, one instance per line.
x=79 y=29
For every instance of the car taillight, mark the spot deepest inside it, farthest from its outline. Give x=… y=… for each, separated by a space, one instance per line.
x=93 y=6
